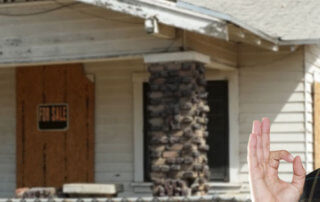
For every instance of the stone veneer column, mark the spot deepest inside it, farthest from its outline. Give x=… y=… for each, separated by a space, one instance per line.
x=178 y=128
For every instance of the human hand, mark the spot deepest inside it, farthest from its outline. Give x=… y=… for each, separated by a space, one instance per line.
x=264 y=181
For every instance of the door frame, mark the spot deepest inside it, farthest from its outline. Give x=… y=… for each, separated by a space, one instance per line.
x=233 y=95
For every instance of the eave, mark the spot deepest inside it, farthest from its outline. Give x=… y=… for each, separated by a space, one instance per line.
x=167 y=13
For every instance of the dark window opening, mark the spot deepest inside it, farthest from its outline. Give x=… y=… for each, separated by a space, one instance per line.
x=218 y=128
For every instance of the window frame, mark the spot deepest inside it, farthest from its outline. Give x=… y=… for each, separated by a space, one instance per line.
x=233 y=93
x=225 y=146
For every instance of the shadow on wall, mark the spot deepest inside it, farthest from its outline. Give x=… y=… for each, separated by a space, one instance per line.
x=271 y=85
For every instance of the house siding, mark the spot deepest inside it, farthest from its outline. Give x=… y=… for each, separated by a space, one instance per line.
x=114 y=149
x=312 y=69
x=7 y=132
x=86 y=33
x=113 y=123
x=271 y=84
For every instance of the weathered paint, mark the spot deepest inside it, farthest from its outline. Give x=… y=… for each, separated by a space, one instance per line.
x=81 y=32
x=167 y=13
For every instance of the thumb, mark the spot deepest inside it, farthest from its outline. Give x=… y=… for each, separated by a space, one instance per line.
x=299 y=174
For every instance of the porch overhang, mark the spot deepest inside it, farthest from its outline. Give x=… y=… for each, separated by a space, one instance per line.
x=167 y=13
x=186 y=56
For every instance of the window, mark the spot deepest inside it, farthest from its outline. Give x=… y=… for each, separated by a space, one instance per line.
x=218 y=127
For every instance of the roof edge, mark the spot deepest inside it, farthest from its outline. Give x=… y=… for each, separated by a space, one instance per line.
x=235 y=21
x=190 y=17
x=167 y=13
x=229 y=19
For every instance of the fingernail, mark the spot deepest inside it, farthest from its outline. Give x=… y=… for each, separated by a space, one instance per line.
x=256 y=127
x=291 y=157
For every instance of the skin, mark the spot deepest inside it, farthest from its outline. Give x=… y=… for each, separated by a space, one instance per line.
x=264 y=181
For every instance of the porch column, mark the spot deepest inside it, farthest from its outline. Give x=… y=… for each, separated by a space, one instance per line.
x=177 y=127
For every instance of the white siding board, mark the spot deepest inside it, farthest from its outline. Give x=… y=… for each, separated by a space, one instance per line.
x=279 y=137
x=115 y=166
x=113 y=120
x=113 y=157
x=124 y=177
x=276 y=127
x=271 y=85
x=275 y=86
x=312 y=66
x=284 y=117
x=7 y=131
x=272 y=76
x=273 y=107
x=262 y=97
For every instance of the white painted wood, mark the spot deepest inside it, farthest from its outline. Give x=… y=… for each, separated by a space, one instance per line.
x=272 y=85
x=177 y=56
x=186 y=56
x=114 y=148
x=220 y=66
x=7 y=132
x=261 y=107
x=220 y=51
x=138 y=79
x=168 y=13
x=312 y=70
x=85 y=188
x=278 y=118
x=82 y=33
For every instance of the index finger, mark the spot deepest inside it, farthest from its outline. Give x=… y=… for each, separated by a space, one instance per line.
x=252 y=151
x=265 y=125
x=253 y=158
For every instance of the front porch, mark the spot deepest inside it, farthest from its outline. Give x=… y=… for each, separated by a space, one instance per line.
x=114 y=50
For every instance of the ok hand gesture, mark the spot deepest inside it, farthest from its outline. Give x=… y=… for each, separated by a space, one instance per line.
x=265 y=183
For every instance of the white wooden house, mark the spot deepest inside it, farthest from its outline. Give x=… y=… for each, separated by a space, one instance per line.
x=265 y=54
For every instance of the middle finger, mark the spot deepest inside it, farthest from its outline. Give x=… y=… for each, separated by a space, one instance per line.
x=257 y=130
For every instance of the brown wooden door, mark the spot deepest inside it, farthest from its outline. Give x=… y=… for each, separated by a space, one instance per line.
x=54 y=157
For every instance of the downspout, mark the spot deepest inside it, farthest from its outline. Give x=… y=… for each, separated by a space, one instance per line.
x=305 y=112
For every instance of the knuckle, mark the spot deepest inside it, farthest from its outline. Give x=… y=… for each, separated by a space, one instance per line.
x=284 y=152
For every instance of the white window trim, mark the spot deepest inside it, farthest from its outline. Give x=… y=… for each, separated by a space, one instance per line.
x=232 y=77
x=233 y=98
x=138 y=79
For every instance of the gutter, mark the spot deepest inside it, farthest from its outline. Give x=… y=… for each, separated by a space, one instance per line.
x=229 y=19
x=181 y=15
x=189 y=17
